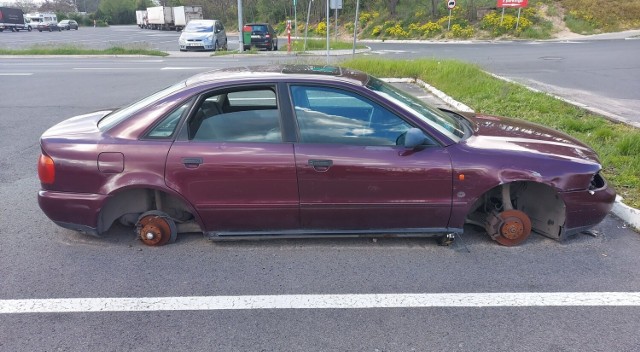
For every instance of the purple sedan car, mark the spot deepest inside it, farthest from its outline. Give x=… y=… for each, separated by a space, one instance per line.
x=306 y=151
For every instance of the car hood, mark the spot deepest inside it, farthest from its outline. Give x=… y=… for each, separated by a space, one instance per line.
x=77 y=126
x=522 y=137
x=195 y=35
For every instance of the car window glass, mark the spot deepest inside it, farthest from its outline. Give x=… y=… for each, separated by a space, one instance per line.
x=167 y=126
x=238 y=116
x=120 y=115
x=327 y=115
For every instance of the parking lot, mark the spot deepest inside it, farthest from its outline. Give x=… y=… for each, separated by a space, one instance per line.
x=40 y=261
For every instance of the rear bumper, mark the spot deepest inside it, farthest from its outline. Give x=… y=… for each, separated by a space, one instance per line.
x=76 y=211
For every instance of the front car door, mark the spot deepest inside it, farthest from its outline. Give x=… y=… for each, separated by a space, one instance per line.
x=231 y=164
x=353 y=176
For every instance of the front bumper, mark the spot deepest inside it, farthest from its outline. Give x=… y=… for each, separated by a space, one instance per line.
x=585 y=209
x=196 y=45
x=76 y=211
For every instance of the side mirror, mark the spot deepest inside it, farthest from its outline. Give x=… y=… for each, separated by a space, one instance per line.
x=413 y=138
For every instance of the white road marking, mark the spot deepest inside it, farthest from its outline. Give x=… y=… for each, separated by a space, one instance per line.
x=16 y=74
x=184 y=68
x=114 y=68
x=337 y=301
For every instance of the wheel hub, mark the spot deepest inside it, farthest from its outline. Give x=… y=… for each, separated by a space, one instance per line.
x=509 y=228
x=154 y=230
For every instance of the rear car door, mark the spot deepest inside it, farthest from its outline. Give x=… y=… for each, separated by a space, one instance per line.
x=351 y=173
x=231 y=164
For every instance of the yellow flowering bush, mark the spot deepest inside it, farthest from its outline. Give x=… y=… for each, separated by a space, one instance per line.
x=321 y=28
x=430 y=28
x=459 y=32
x=396 y=31
x=499 y=25
x=376 y=30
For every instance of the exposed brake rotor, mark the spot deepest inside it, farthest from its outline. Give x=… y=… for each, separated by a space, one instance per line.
x=509 y=228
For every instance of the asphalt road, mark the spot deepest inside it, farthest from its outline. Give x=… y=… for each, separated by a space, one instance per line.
x=39 y=260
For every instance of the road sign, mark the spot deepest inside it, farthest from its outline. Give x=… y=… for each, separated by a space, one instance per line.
x=512 y=3
x=451 y=4
x=335 y=4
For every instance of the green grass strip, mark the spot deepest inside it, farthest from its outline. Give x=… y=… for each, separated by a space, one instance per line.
x=72 y=50
x=617 y=144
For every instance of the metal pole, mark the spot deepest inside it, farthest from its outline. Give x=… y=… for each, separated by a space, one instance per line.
x=449 y=25
x=306 y=28
x=518 y=21
x=502 y=17
x=295 y=18
x=328 y=32
x=240 y=41
x=355 y=28
x=336 y=14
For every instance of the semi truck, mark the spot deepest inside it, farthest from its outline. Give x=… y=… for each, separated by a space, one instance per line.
x=141 y=18
x=13 y=19
x=183 y=14
x=160 y=17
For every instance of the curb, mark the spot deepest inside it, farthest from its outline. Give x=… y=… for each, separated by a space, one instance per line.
x=629 y=215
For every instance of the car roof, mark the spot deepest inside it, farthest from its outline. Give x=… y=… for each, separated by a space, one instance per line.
x=311 y=72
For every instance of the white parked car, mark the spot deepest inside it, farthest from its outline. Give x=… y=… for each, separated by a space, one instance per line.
x=203 y=35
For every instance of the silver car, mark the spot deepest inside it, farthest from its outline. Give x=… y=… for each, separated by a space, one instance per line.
x=203 y=35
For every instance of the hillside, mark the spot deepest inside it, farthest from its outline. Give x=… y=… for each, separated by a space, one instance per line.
x=541 y=19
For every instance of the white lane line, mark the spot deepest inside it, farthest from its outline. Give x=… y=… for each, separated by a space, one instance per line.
x=16 y=74
x=184 y=68
x=113 y=68
x=338 y=301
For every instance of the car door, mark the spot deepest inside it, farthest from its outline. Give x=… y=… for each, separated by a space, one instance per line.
x=232 y=165
x=351 y=173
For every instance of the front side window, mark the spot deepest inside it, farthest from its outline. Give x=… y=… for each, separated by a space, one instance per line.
x=250 y=115
x=439 y=120
x=328 y=115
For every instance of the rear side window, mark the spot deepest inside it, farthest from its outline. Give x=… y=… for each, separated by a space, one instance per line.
x=250 y=115
x=120 y=115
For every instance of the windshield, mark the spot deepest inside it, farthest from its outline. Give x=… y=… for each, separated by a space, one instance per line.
x=122 y=114
x=441 y=121
x=199 y=27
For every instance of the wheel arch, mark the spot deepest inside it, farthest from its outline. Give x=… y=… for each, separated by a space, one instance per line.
x=128 y=203
x=540 y=201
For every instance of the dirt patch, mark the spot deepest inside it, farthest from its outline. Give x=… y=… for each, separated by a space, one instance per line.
x=561 y=29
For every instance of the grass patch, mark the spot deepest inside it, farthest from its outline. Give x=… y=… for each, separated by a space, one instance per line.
x=579 y=25
x=618 y=145
x=76 y=50
x=321 y=44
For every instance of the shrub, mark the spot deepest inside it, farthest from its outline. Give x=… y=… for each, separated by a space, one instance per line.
x=321 y=28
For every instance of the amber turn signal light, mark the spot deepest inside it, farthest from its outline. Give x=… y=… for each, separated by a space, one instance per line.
x=46 y=169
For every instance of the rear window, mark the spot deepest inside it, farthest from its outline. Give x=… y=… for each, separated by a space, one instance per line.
x=259 y=28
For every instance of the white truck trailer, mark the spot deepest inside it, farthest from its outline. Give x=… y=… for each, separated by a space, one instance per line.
x=160 y=17
x=183 y=14
x=141 y=18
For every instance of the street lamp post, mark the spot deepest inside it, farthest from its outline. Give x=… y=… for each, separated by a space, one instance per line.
x=306 y=28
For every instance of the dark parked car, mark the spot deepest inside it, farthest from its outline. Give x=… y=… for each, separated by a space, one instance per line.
x=48 y=26
x=262 y=36
x=291 y=151
x=68 y=24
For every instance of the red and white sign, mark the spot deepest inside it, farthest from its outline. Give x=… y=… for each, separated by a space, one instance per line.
x=451 y=4
x=512 y=3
